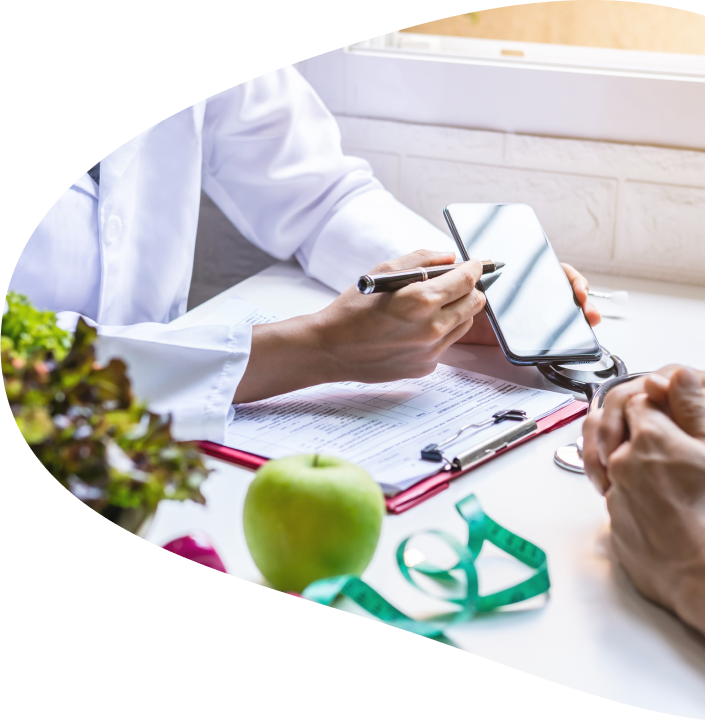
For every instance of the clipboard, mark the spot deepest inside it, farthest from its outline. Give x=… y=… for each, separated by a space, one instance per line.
x=430 y=486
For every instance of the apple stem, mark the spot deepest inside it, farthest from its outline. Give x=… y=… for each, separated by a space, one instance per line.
x=315 y=460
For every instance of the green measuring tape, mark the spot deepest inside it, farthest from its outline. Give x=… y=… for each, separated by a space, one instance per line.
x=461 y=578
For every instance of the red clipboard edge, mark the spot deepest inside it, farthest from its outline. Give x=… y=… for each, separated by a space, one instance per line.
x=429 y=487
x=425 y=489
x=231 y=455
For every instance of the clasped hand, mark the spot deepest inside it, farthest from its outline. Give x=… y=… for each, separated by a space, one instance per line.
x=645 y=451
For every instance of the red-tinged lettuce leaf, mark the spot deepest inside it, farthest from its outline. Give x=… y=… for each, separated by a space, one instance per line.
x=82 y=421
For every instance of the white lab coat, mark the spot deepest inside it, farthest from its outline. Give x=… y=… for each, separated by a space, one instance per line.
x=121 y=254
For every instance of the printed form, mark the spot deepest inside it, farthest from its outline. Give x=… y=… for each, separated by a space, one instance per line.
x=381 y=427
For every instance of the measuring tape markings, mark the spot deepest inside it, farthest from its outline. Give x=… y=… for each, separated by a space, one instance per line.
x=481 y=528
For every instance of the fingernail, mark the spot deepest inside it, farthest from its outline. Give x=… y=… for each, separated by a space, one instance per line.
x=687 y=380
x=659 y=380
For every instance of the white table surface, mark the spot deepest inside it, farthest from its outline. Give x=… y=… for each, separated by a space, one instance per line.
x=595 y=632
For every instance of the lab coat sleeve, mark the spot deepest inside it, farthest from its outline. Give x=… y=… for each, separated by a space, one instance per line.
x=364 y=231
x=190 y=372
x=273 y=163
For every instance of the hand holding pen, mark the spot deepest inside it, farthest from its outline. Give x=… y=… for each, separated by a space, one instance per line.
x=367 y=338
x=390 y=281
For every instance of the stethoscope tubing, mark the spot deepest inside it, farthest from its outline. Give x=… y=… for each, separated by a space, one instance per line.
x=598 y=397
x=569 y=457
x=593 y=391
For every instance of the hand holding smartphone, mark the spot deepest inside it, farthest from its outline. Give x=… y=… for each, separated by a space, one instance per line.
x=530 y=302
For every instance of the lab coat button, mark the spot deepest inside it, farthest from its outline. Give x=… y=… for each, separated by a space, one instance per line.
x=111 y=231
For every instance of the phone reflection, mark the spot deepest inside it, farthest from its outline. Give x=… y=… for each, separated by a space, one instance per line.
x=530 y=299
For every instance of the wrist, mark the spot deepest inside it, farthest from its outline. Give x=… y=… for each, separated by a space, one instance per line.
x=315 y=346
x=285 y=356
x=690 y=595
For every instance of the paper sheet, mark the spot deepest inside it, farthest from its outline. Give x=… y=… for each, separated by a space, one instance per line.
x=383 y=427
x=238 y=310
x=226 y=311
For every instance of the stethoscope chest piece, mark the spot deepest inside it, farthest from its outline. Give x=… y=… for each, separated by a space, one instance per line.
x=569 y=457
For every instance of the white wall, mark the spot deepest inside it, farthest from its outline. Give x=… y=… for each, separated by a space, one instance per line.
x=620 y=209
x=627 y=197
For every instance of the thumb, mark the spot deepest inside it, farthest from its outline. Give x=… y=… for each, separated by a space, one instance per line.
x=687 y=402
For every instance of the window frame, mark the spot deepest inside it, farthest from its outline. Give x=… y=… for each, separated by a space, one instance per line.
x=559 y=91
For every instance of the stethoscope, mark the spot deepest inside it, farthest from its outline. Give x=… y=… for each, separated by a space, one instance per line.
x=594 y=380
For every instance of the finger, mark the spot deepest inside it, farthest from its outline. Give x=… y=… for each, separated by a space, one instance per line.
x=456 y=334
x=613 y=429
x=592 y=314
x=578 y=283
x=464 y=308
x=481 y=332
x=580 y=287
x=419 y=258
x=456 y=284
x=687 y=402
x=657 y=383
x=636 y=408
x=668 y=370
x=594 y=468
x=646 y=422
x=656 y=387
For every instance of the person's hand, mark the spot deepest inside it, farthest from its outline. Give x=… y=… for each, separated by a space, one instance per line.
x=367 y=338
x=580 y=287
x=656 y=494
x=387 y=336
x=481 y=332
x=606 y=429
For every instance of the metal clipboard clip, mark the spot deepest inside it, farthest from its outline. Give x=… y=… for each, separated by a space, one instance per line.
x=477 y=453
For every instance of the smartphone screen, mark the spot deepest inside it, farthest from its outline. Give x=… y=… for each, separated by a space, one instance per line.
x=530 y=302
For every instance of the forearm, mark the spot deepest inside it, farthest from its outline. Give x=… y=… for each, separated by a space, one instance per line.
x=285 y=356
x=369 y=339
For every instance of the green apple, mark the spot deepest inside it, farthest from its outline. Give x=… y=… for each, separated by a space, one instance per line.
x=311 y=516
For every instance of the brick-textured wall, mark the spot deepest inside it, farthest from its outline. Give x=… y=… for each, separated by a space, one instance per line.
x=606 y=207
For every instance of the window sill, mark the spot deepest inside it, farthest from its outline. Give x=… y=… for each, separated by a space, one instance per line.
x=536 y=56
x=587 y=93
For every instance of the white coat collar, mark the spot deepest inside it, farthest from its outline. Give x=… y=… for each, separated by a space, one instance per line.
x=113 y=167
x=87 y=185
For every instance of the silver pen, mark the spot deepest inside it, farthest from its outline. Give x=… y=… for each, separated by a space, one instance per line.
x=388 y=282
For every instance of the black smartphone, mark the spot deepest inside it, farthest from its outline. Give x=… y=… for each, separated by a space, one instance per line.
x=530 y=302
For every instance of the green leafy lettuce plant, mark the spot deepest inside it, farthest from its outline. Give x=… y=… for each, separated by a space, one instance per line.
x=82 y=422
